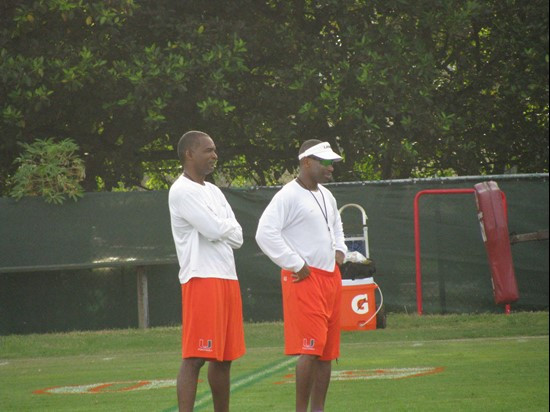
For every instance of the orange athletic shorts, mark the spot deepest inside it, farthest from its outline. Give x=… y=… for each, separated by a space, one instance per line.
x=212 y=319
x=311 y=310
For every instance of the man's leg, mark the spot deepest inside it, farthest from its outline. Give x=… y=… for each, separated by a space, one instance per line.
x=305 y=376
x=320 y=385
x=187 y=383
x=219 y=380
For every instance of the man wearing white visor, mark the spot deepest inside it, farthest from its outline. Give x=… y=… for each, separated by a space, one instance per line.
x=301 y=231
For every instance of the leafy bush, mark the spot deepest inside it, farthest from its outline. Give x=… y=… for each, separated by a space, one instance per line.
x=49 y=169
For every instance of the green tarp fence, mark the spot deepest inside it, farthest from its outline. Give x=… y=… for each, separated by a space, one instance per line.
x=73 y=266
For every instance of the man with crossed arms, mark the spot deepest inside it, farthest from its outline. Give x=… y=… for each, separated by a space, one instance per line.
x=301 y=231
x=205 y=233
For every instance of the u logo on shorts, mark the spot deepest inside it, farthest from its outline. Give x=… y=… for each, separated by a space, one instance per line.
x=309 y=345
x=207 y=347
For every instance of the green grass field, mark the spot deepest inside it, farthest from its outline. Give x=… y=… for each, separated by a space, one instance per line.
x=431 y=363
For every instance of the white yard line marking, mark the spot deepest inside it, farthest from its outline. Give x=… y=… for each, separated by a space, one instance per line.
x=244 y=381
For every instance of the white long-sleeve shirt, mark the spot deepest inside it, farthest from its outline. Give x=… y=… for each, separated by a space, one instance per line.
x=205 y=230
x=292 y=229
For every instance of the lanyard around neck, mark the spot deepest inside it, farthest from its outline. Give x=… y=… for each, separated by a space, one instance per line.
x=323 y=212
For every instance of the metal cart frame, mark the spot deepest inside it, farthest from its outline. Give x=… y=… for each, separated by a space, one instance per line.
x=380 y=313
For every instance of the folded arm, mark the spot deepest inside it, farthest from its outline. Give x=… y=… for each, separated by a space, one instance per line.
x=208 y=224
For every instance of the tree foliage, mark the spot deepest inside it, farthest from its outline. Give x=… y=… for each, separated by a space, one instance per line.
x=403 y=88
x=49 y=169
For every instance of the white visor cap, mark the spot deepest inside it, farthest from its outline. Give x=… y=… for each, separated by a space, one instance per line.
x=322 y=151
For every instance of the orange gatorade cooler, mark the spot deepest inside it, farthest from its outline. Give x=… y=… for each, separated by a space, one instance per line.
x=358 y=310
